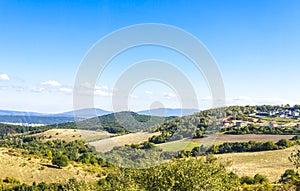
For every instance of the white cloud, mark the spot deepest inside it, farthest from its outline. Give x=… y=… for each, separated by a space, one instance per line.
x=114 y=89
x=37 y=90
x=133 y=96
x=86 y=85
x=51 y=83
x=102 y=93
x=97 y=90
x=65 y=90
x=169 y=95
x=101 y=87
x=148 y=92
x=208 y=98
x=245 y=100
x=4 y=77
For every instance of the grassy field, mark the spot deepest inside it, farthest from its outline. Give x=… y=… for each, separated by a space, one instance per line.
x=178 y=146
x=269 y=163
x=221 y=138
x=74 y=134
x=106 y=145
x=28 y=170
x=189 y=144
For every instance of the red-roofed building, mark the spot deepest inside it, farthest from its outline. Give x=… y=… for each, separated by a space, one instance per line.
x=273 y=124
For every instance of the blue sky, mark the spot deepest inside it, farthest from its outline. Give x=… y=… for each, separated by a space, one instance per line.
x=256 y=44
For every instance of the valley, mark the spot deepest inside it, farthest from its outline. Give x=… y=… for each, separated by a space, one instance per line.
x=264 y=150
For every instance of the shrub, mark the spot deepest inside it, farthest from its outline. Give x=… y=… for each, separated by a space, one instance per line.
x=246 y=180
x=60 y=161
x=259 y=179
x=284 y=143
x=289 y=176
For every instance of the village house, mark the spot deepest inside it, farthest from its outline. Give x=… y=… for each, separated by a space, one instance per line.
x=227 y=123
x=240 y=123
x=295 y=114
x=273 y=124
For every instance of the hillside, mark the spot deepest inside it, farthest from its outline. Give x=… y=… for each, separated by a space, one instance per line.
x=189 y=144
x=69 y=135
x=232 y=120
x=29 y=169
x=121 y=122
x=269 y=163
x=249 y=141
x=108 y=144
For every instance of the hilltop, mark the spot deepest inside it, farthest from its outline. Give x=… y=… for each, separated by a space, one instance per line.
x=121 y=122
x=264 y=119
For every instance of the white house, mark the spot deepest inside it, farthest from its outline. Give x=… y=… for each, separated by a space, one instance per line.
x=273 y=124
x=295 y=114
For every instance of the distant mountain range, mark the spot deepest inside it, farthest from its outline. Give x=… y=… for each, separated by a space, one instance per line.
x=22 y=117
x=84 y=113
x=19 y=113
x=165 y=112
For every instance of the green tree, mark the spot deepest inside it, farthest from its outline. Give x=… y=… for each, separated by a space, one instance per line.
x=284 y=143
x=246 y=180
x=178 y=174
x=259 y=179
x=60 y=161
x=295 y=158
x=289 y=176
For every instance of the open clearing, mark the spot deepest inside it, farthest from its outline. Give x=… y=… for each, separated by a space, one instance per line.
x=74 y=134
x=178 y=146
x=189 y=144
x=269 y=163
x=106 y=145
x=28 y=170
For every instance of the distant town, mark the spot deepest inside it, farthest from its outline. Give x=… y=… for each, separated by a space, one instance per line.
x=259 y=118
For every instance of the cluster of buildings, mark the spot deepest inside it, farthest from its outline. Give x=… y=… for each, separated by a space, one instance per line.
x=291 y=113
x=285 y=113
x=236 y=123
x=25 y=124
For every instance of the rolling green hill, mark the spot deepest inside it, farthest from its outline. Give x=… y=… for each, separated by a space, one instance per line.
x=120 y=122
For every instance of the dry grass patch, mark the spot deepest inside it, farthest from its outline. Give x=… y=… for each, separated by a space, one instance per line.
x=28 y=169
x=106 y=145
x=74 y=134
x=269 y=163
